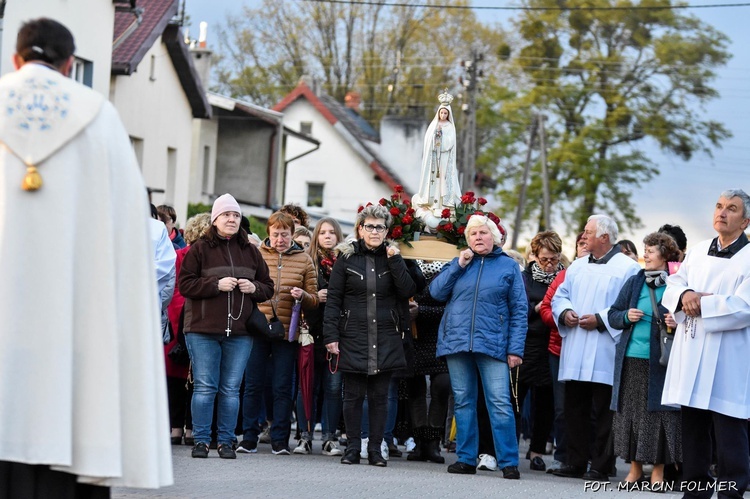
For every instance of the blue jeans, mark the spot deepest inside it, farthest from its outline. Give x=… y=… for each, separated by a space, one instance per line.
x=218 y=364
x=332 y=401
x=495 y=377
x=283 y=355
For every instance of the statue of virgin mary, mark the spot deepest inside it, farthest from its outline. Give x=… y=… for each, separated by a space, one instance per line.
x=438 y=182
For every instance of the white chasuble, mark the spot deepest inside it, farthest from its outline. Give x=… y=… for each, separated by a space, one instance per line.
x=709 y=367
x=82 y=380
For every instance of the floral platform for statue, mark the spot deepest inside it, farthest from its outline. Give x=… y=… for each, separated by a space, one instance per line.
x=448 y=241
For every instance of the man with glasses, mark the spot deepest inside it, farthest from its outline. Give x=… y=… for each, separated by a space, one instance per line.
x=580 y=308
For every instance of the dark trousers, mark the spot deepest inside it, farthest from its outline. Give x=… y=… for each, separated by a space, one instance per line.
x=283 y=355
x=356 y=387
x=731 y=449
x=542 y=414
x=587 y=403
x=177 y=395
x=440 y=388
x=29 y=481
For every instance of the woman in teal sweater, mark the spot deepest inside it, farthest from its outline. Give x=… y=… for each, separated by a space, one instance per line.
x=644 y=430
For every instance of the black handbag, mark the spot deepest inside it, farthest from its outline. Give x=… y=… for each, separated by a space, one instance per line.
x=666 y=338
x=179 y=353
x=257 y=324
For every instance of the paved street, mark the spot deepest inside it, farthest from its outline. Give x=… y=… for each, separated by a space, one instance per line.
x=318 y=476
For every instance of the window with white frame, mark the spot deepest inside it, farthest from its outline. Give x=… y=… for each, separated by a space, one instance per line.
x=315 y=195
x=82 y=71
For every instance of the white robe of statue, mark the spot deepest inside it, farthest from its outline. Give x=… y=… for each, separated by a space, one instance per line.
x=82 y=379
x=709 y=367
x=438 y=184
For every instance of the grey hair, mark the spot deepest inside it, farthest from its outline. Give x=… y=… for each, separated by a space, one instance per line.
x=605 y=225
x=374 y=211
x=478 y=221
x=739 y=193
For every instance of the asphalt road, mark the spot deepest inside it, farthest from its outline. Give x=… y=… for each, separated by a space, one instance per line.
x=317 y=476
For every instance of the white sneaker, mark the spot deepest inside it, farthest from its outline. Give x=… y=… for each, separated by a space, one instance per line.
x=410 y=444
x=331 y=448
x=303 y=447
x=363 y=448
x=487 y=463
x=384 y=450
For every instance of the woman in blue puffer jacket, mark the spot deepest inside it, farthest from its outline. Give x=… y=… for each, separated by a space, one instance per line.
x=482 y=332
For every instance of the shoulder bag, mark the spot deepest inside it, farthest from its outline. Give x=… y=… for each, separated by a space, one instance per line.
x=665 y=336
x=257 y=324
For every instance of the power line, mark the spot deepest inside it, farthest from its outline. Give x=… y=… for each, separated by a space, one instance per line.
x=480 y=7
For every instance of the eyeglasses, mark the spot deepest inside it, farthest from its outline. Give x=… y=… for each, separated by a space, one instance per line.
x=548 y=261
x=376 y=228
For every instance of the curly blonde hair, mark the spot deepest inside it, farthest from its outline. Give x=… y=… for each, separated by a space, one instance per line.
x=196 y=227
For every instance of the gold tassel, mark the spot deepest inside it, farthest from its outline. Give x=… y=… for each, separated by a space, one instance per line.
x=32 y=181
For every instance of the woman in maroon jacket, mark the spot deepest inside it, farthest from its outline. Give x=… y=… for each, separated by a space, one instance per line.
x=221 y=276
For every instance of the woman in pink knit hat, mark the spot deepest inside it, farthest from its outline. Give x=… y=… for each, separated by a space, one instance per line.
x=221 y=276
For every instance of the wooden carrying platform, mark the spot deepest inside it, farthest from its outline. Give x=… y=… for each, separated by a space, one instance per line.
x=429 y=247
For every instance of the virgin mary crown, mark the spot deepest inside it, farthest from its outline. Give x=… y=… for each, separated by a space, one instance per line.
x=445 y=98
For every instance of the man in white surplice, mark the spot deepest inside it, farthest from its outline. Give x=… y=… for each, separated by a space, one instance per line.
x=580 y=307
x=83 y=401
x=709 y=367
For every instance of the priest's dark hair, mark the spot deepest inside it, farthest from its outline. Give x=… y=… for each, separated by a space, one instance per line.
x=677 y=233
x=45 y=40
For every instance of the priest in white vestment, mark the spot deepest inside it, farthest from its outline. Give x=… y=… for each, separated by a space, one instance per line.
x=580 y=308
x=82 y=381
x=709 y=368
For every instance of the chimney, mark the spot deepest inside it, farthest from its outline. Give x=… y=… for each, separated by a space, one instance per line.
x=353 y=100
x=202 y=56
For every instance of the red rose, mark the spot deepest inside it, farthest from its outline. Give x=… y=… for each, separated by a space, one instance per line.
x=466 y=199
x=448 y=227
x=446 y=213
x=397 y=232
x=407 y=219
x=398 y=188
x=479 y=212
x=407 y=202
x=461 y=230
x=494 y=218
x=469 y=193
x=359 y=210
x=482 y=201
x=410 y=211
x=368 y=204
x=395 y=211
x=383 y=202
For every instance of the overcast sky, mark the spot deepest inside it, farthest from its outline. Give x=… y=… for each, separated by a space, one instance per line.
x=683 y=193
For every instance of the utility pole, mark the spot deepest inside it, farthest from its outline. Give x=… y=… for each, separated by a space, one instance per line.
x=524 y=182
x=545 y=172
x=470 y=81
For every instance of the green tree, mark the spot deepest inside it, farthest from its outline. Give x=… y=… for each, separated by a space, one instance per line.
x=398 y=57
x=607 y=80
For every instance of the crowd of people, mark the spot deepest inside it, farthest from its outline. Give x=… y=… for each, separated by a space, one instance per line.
x=591 y=360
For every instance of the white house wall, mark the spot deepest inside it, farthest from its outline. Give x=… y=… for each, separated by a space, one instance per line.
x=349 y=181
x=90 y=21
x=155 y=109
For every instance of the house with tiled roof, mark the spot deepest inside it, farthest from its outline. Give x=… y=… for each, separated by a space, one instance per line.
x=157 y=91
x=352 y=166
x=93 y=56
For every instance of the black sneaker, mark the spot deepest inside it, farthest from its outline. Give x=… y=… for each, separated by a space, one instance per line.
x=280 y=449
x=226 y=451
x=200 y=450
x=393 y=450
x=462 y=468
x=511 y=473
x=247 y=447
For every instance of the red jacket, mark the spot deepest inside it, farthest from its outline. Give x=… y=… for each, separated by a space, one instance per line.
x=545 y=310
